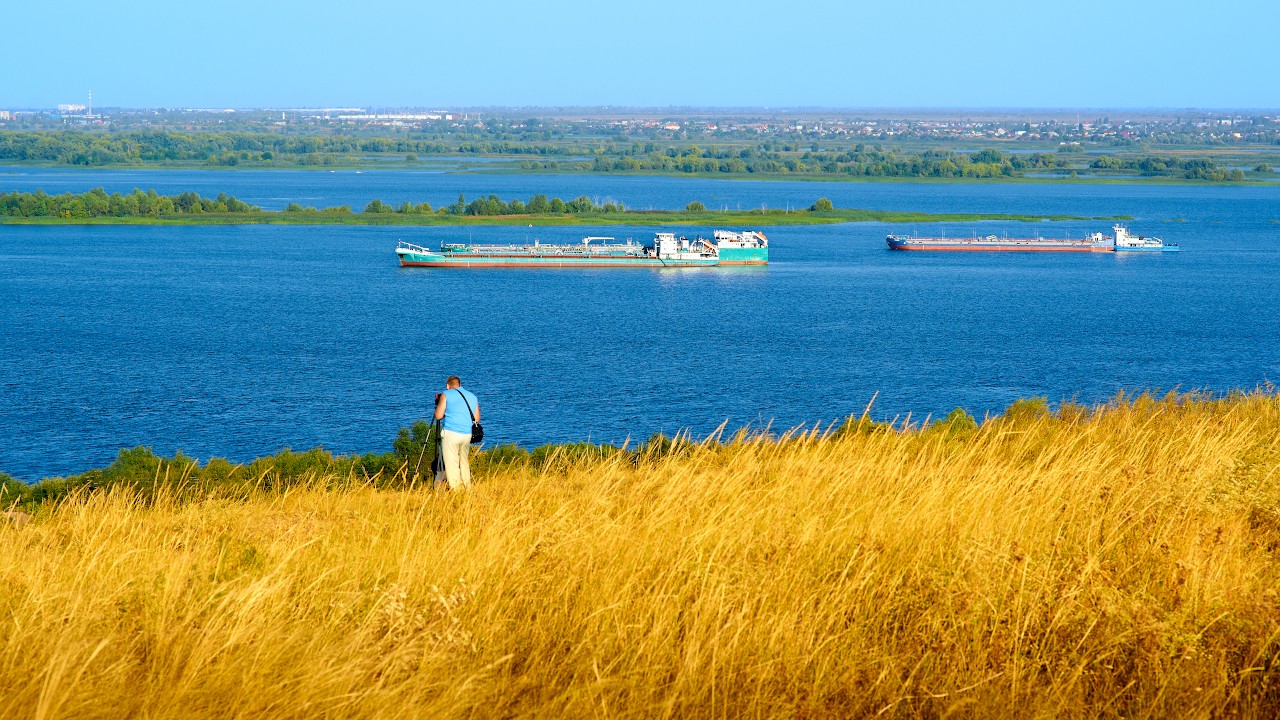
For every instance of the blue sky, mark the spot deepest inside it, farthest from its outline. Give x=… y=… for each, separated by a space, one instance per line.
x=395 y=53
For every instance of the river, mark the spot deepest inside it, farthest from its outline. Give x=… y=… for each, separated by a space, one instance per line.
x=238 y=341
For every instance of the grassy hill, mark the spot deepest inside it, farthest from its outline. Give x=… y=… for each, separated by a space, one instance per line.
x=1110 y=562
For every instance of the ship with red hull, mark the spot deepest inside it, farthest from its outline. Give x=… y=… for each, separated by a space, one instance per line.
x=1121 y=241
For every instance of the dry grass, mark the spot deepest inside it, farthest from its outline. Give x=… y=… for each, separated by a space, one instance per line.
x=1114 y=563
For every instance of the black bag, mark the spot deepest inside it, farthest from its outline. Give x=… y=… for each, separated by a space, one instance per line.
x=477 y=430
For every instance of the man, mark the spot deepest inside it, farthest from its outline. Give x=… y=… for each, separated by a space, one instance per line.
x=458 y=408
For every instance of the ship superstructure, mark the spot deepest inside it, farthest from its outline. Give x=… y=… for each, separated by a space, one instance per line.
x=749 y=247
x=1124 y=242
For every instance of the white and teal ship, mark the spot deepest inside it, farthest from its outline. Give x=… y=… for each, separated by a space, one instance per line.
x=665 y=250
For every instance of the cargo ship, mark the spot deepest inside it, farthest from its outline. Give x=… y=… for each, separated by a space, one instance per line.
x=666 y=250
x=1122 y=241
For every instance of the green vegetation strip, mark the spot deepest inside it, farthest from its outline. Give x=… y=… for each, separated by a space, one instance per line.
x=760 y=160
x=96 y=207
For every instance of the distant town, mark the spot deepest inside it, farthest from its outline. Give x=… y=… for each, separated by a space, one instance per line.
x=1038 y=127
x=1035 y=145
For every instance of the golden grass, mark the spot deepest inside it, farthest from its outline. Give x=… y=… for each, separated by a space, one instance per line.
x=1113 y=563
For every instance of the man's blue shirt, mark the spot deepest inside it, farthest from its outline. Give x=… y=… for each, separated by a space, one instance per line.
x=456 y=416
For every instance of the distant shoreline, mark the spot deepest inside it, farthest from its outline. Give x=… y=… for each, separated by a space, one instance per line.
x=424 y=166
x=640 y=218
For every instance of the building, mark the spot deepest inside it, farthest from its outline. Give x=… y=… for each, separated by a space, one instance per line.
x=6 y=115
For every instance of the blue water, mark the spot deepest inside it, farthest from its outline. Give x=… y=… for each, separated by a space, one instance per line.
x=237 y=341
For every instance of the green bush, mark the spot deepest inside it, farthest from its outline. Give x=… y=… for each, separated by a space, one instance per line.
x=1027 y=409
x=51 y=489
x=562 y=456
x=12 y=491
x=371 y=465
x=220 y=471
x=502 y=456
x=416 y=447
x=957 y=423
x=659 y=446
x=290 y=465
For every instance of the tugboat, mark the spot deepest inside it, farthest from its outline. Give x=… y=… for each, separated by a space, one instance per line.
x=1124 y=242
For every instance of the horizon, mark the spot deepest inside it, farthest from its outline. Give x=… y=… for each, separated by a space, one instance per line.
x=607 y=110
x=999 y=55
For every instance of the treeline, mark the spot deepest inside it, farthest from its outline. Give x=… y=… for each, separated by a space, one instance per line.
x=489 y=205
x=138 y=204
x=97 y=203
x=1189 y=169
x=537 y=205
x=234 y=148
x=859 y=161
x=602 y=155
x=493 y=205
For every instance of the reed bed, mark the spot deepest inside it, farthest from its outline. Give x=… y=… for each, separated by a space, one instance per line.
x=1110 y=562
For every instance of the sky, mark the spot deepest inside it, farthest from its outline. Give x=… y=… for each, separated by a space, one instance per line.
x=652 y=53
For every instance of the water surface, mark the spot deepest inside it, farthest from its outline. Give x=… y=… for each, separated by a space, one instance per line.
x=237 y=341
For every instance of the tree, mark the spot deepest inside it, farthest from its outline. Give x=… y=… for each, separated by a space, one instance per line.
x=695 y=206
x=822 y=205
x=988 y=156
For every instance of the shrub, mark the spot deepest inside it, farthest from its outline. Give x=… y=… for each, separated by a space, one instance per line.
x=957 y=423
x=416 y=446
x=1027 y=409
x=569 y=454
x=383 y=465
x=501 y=456
x=12 y=491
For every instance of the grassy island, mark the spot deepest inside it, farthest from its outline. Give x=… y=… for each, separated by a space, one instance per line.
x=1112 y=561
x=96 y=207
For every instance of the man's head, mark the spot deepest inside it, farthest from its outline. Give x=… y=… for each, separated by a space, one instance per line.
x=453 y=382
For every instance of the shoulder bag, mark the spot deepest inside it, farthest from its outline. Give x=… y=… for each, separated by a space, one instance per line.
x=477 y=430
